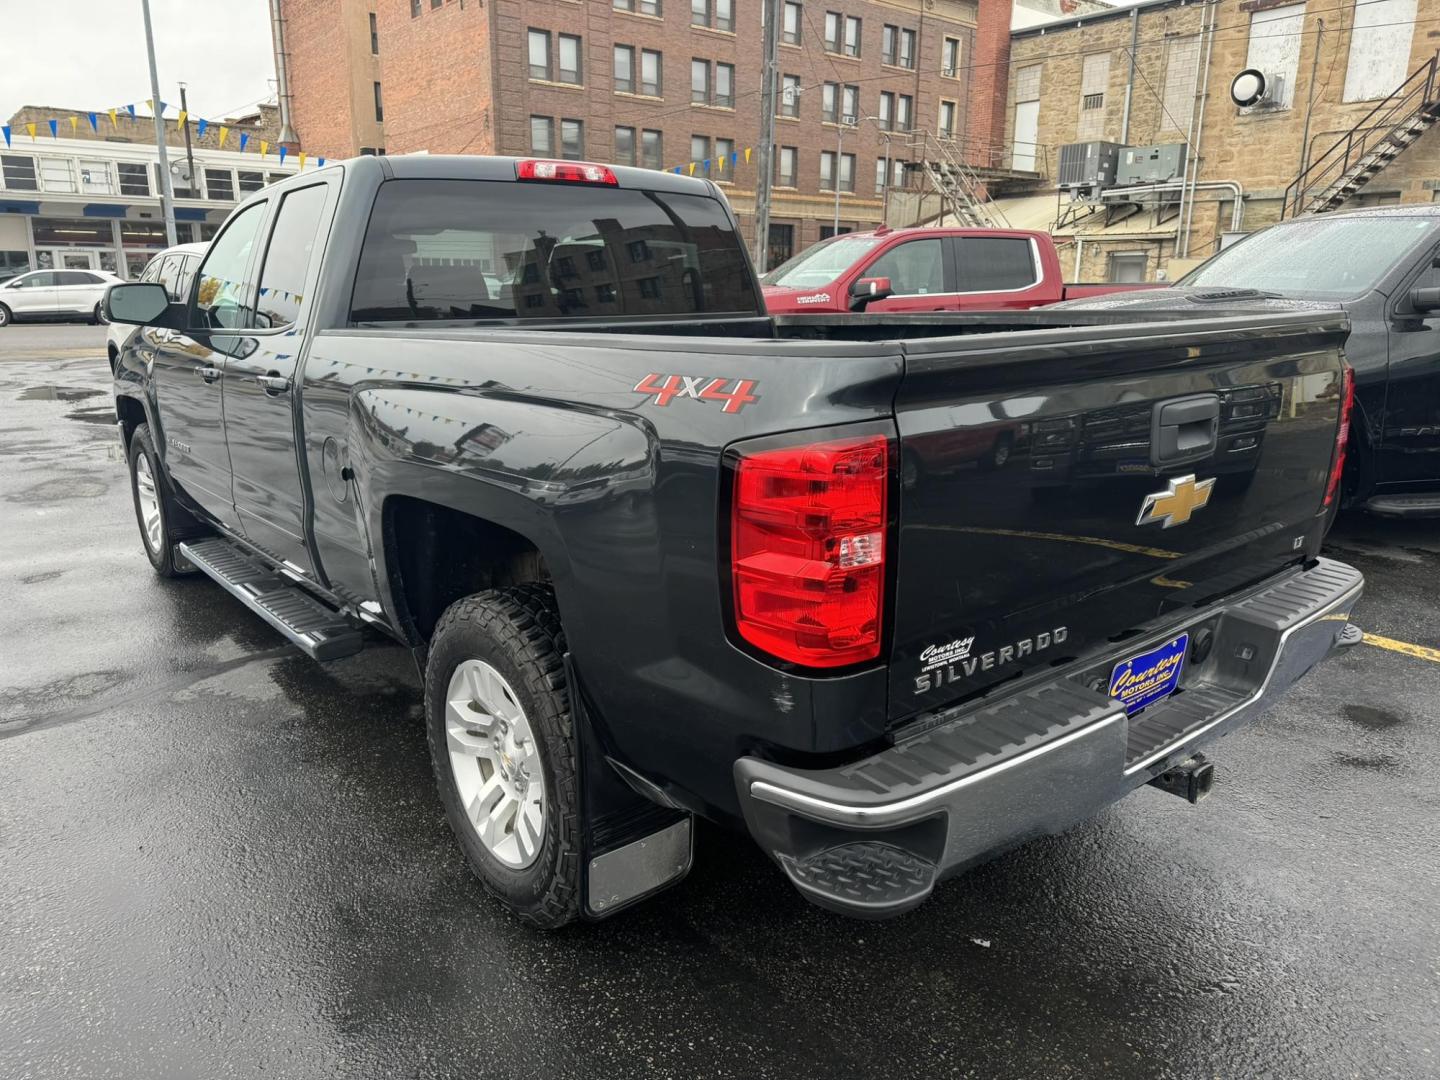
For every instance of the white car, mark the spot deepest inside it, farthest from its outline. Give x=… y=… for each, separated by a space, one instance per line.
x=175 y=269
x=54 y=294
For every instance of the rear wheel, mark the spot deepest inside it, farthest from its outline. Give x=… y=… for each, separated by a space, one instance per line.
x=96 y=316
x=503 y=747
x=5 y=316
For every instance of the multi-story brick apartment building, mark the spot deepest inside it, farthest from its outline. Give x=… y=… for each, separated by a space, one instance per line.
x=660 y=83
x=1338 y=70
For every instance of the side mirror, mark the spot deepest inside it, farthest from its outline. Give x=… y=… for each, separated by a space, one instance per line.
x=1423 y=301
x=139 y=303
x=870 y=288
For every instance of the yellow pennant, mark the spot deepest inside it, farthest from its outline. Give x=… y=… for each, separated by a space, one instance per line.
x=692 y=168
x=302 y=159
x=180 y=120
x=264 y=148
x=720 y=163
x=224 y=134
x=31 y=129
x=747 y=155
x=150 y=105
x=74 y=124
x=114 y=122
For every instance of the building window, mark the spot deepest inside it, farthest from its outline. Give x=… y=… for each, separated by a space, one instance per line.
x=570 y=66
x=414 y=9
x=374 y=36
x=850 y=105
x=567 y=70
x=827 y=171
x=1094 y=78
x=1275 y=36
x=785 y=166
x=625 y=146
x=724 y=156
x=827 y=231
x=57 y=174
x=842 y=34
x=652 y=151
x=249 y=181
x=789 y=95
x=95 y=178
x=435 y=4
x=724 y=86
x=905 y=113
x=700 y=82
x=897 y=46
x=950 y=58
x=947 y=119
x=715 y=14
x=379 y=106
x=699 y=148
x=643 y=7
x=133 y=178
x=1128 y=267
x=879 y=175
x=19 y=172
x=887 y=111
x=220 y=184
x=1379 y=48
x=542 y=135
x=572 y=139
x=907 y=49
x=712 y=84
x=650 y=73
x=830 y=102
x=790 y=29
x=625 y=69
x=1182 y=65
x=639 y=251
x=540 y=54
x=781 y=245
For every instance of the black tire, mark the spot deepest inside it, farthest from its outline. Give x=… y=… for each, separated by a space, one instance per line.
x=96 y=318
x=5 y=317
x=998 y=454
x=161 y=554
x=517 y=631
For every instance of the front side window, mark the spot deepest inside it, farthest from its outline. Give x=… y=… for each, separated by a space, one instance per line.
x=822 y=263
x=224 y=293
x=915 y=268
x=287 y=260
x=557 y=248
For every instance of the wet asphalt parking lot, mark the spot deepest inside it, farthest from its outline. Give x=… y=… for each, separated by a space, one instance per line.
x=220 y=859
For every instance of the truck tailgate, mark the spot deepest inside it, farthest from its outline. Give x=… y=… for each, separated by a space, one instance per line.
x=1059 y=488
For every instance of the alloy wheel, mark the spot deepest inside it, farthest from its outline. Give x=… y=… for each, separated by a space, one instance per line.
x=151 y=524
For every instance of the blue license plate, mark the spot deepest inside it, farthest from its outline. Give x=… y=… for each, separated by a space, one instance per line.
x=1145 y=679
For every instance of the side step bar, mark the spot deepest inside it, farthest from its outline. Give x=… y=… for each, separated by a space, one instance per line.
x=320 y=631
x=1405 y=506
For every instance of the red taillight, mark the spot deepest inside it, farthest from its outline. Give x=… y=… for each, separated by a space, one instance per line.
x=574 y=172
x=807 y=550
x=1342 y=434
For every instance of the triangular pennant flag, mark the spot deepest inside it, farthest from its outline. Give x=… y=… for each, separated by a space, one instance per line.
x=747 y=155
x=244 y=138
x=720 y=163
x=114 y=120
x=94 y=125
x=707 y=164
x=735 y=156
x=302 y=159
x=676 y=170
x=149 y=105
x=163 y=107
x=6 y=130
x=31 y=129
x=200 y=131
x=692 y=168
x=282 y=152
x=53 y=127
x=263 y=290
x=131 y=110
x=319 y=162
x=265 y=148
x=224 y=134
x=74 y=124
x=180 y=120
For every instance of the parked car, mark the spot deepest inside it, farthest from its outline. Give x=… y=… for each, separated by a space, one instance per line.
x=175 y=269
x=651 y=549
x=54 y=294
x=924 y=269
x=1382 y=267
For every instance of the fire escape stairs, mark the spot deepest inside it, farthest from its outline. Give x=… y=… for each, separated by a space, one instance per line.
x=1363 y=152
x=960 y=188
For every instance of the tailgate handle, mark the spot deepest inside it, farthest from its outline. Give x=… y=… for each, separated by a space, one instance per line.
x=1184 y=429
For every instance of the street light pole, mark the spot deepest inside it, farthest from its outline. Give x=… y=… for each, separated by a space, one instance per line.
x=167 y=197
x=774 y=13
x=839 y=142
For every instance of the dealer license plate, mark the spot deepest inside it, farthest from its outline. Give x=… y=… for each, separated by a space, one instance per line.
x=1145 y=679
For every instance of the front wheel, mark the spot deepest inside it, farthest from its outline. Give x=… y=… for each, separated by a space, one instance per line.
x=97 y=317
x=503 y=746
x=5 y=317
x=154 y=505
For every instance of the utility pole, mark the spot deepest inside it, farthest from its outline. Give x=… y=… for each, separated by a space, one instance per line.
x=839 y=157
x=167 y=197
x=770 y=76
x=189 y=152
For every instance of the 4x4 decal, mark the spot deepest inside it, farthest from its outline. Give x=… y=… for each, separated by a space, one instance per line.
x=666 y=388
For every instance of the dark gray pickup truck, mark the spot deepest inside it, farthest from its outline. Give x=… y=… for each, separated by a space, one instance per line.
x=895 y=593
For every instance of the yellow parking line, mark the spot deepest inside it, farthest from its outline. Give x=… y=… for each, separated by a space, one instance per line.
x=1420 y=652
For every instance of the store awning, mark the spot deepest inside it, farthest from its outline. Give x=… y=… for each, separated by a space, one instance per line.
x=9 y=206
x=112 y=210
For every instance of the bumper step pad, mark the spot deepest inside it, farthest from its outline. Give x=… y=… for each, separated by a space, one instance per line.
x=318 y=630
x=865 y=877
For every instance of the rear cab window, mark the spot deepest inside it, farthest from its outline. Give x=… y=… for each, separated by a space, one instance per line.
x=446 y=250
x=996 y=264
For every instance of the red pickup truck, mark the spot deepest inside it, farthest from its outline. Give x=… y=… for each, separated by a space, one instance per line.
x=933 y=269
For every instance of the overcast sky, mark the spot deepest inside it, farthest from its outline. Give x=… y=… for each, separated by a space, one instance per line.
x=90 y=54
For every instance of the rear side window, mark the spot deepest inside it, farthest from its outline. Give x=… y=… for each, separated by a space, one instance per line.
x=292 y=243
x=996 y=264
x=478 y=249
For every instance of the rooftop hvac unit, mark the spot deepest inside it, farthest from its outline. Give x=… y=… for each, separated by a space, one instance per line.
x=1150 y=164
x=1088 y=165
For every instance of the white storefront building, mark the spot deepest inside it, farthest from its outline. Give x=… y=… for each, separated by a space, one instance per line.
x=91 y=204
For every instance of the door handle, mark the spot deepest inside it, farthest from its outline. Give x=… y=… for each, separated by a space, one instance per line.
x=209 y=374
x=273 y=384
x=1184 y=429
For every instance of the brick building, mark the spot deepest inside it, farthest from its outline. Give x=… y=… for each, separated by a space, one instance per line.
x=1348 y=71
x=661 y=84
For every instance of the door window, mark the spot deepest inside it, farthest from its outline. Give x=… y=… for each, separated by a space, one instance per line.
x=995 y=264
x=168 y=275
x=915 y=268
x=35 y=281
x=75 y=277
x=224 y=293
x=292 y=242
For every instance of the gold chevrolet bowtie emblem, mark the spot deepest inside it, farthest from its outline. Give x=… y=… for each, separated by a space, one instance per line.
x=1175 y=505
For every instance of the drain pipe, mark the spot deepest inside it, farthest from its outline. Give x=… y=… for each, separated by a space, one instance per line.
x=1130 y=80
x=1188 y=208
x=282 y=75
x=1237 y=192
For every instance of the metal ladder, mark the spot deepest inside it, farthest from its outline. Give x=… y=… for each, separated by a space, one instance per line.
x=958 y=185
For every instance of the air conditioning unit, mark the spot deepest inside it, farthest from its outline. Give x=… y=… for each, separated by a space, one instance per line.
x=1150 y=164
x=1088 y=165
x=1256 y=89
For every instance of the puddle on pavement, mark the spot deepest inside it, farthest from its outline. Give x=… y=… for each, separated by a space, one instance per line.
x=57 y=393
x=102 y=414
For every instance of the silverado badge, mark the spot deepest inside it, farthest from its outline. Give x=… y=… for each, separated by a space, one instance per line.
x=1174 y=505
